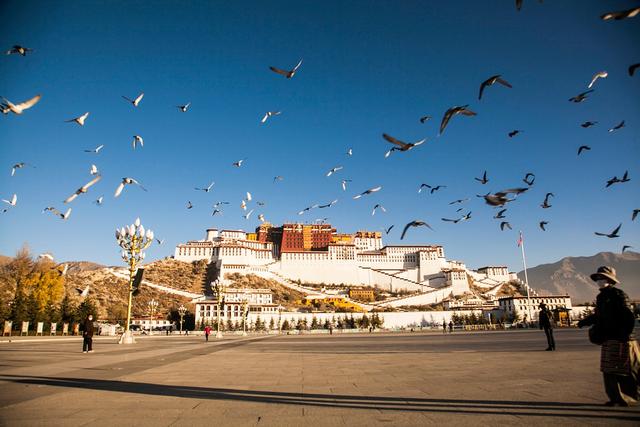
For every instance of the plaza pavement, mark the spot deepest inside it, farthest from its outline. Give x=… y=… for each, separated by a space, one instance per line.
x=466 y=378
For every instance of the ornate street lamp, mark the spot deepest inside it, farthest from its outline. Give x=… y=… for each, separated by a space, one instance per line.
x=182 y=310
x=133 y=240
x=153 y=305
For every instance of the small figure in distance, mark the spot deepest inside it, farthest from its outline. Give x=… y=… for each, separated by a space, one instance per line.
x=87 y=335
x=207 y=331
x=612 y=325
x=450 y=326
x=545 y=321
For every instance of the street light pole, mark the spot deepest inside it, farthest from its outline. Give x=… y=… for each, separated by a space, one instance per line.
x=153 y=305
x=133 y=240
x=182 y=310
x=220 y=296
x=245 y=314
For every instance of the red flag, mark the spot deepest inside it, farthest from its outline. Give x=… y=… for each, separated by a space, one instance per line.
x=520 y=240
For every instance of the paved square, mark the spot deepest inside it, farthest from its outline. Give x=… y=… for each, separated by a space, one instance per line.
x=351 y=379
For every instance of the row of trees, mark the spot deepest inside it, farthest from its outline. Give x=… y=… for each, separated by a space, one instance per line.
x=38 y=288
x=302 y=324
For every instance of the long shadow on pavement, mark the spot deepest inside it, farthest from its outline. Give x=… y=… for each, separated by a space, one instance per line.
x=457 y=406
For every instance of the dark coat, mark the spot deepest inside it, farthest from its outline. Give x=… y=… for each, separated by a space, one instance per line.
x=613 y=317
x=545 y=319
x=88 y=328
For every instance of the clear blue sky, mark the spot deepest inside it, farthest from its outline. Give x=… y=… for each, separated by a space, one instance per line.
x=369 y=67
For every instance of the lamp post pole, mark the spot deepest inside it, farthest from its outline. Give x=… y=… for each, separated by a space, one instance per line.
x=153 y=305
x=220 y=294
x=133 y=240
x=182 y=310
x=245 y=314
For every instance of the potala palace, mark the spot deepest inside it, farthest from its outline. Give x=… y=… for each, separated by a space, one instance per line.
x=316 y=253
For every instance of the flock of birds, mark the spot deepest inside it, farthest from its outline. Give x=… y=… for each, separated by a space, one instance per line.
x=499 y=200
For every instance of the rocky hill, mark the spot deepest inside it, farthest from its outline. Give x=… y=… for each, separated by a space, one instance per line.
x=570 y=275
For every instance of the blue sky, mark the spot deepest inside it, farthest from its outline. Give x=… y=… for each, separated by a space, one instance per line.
x=369 y=67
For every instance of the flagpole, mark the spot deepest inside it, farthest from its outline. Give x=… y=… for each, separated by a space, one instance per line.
x=526 y=279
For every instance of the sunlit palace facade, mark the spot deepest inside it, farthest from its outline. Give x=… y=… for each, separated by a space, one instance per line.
x=316 y=253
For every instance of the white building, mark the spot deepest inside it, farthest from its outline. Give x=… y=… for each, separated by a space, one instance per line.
x=237 y=303
x=358 y=259
x=523 y=305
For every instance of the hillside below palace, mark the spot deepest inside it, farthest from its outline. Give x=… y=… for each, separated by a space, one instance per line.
x=316 y=253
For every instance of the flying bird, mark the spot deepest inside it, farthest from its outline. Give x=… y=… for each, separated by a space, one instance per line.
x=99 y=200
x=529 y=179
x=500 y=198
x=583 y=148
x=287 y=74
x=423 y=186
x=616 y=180
x=127 y=181
x=458 y=201
x=189 y=204
x=136 y=101
x=20 y=50
x=514 y=133
x=618 y=126
x=596 y=76
x=455 y=221
x=83 y=292
x=611 y=235
x=248 y=197
x=482 y=180
x=268 y=114
x=400 y=145
x=425 y=119
x=93 y=170
x=344 y=184
x=334 y=170
x=19 y=165
x=500 y=214
x=46 y=255
x=581 y=96
x=350 y=152
x=491 y=81
x=367 y=192
x=388 y=229
x=588 y=124
x=12 y=201
x=137 y=139
x=453 y=111
x=328 y=205
x=634 y=214
x=277 y=178
x=216 y=211
x=243 y=205
x=436 y=188
x=205 y=189
x=248 y=214
x=415 y=223
x=542 y=224
x=625 y=247
x=376 y=207
x=261 y=217
x=505 y=224
x=546 y=204
x=82 y=189
x=623 y=14
x=184 y=107
x=238 y=163
x=8 y=106
x=79 y=120
x=307 y=209
x=95 y=150
x=57 y=213
x=159 y=242
x=633 y=68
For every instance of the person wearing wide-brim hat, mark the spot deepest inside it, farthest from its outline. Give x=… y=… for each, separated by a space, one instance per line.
x=545 y=321
x=612 y=327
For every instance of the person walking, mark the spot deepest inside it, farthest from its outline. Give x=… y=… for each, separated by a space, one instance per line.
x=450 y=326
x=612 y=326
x=545 y=320
x=87 y=335
x=444 y=327
x=207 y=331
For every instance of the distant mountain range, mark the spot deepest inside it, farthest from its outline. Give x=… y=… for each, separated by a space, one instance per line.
x=570 y=275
